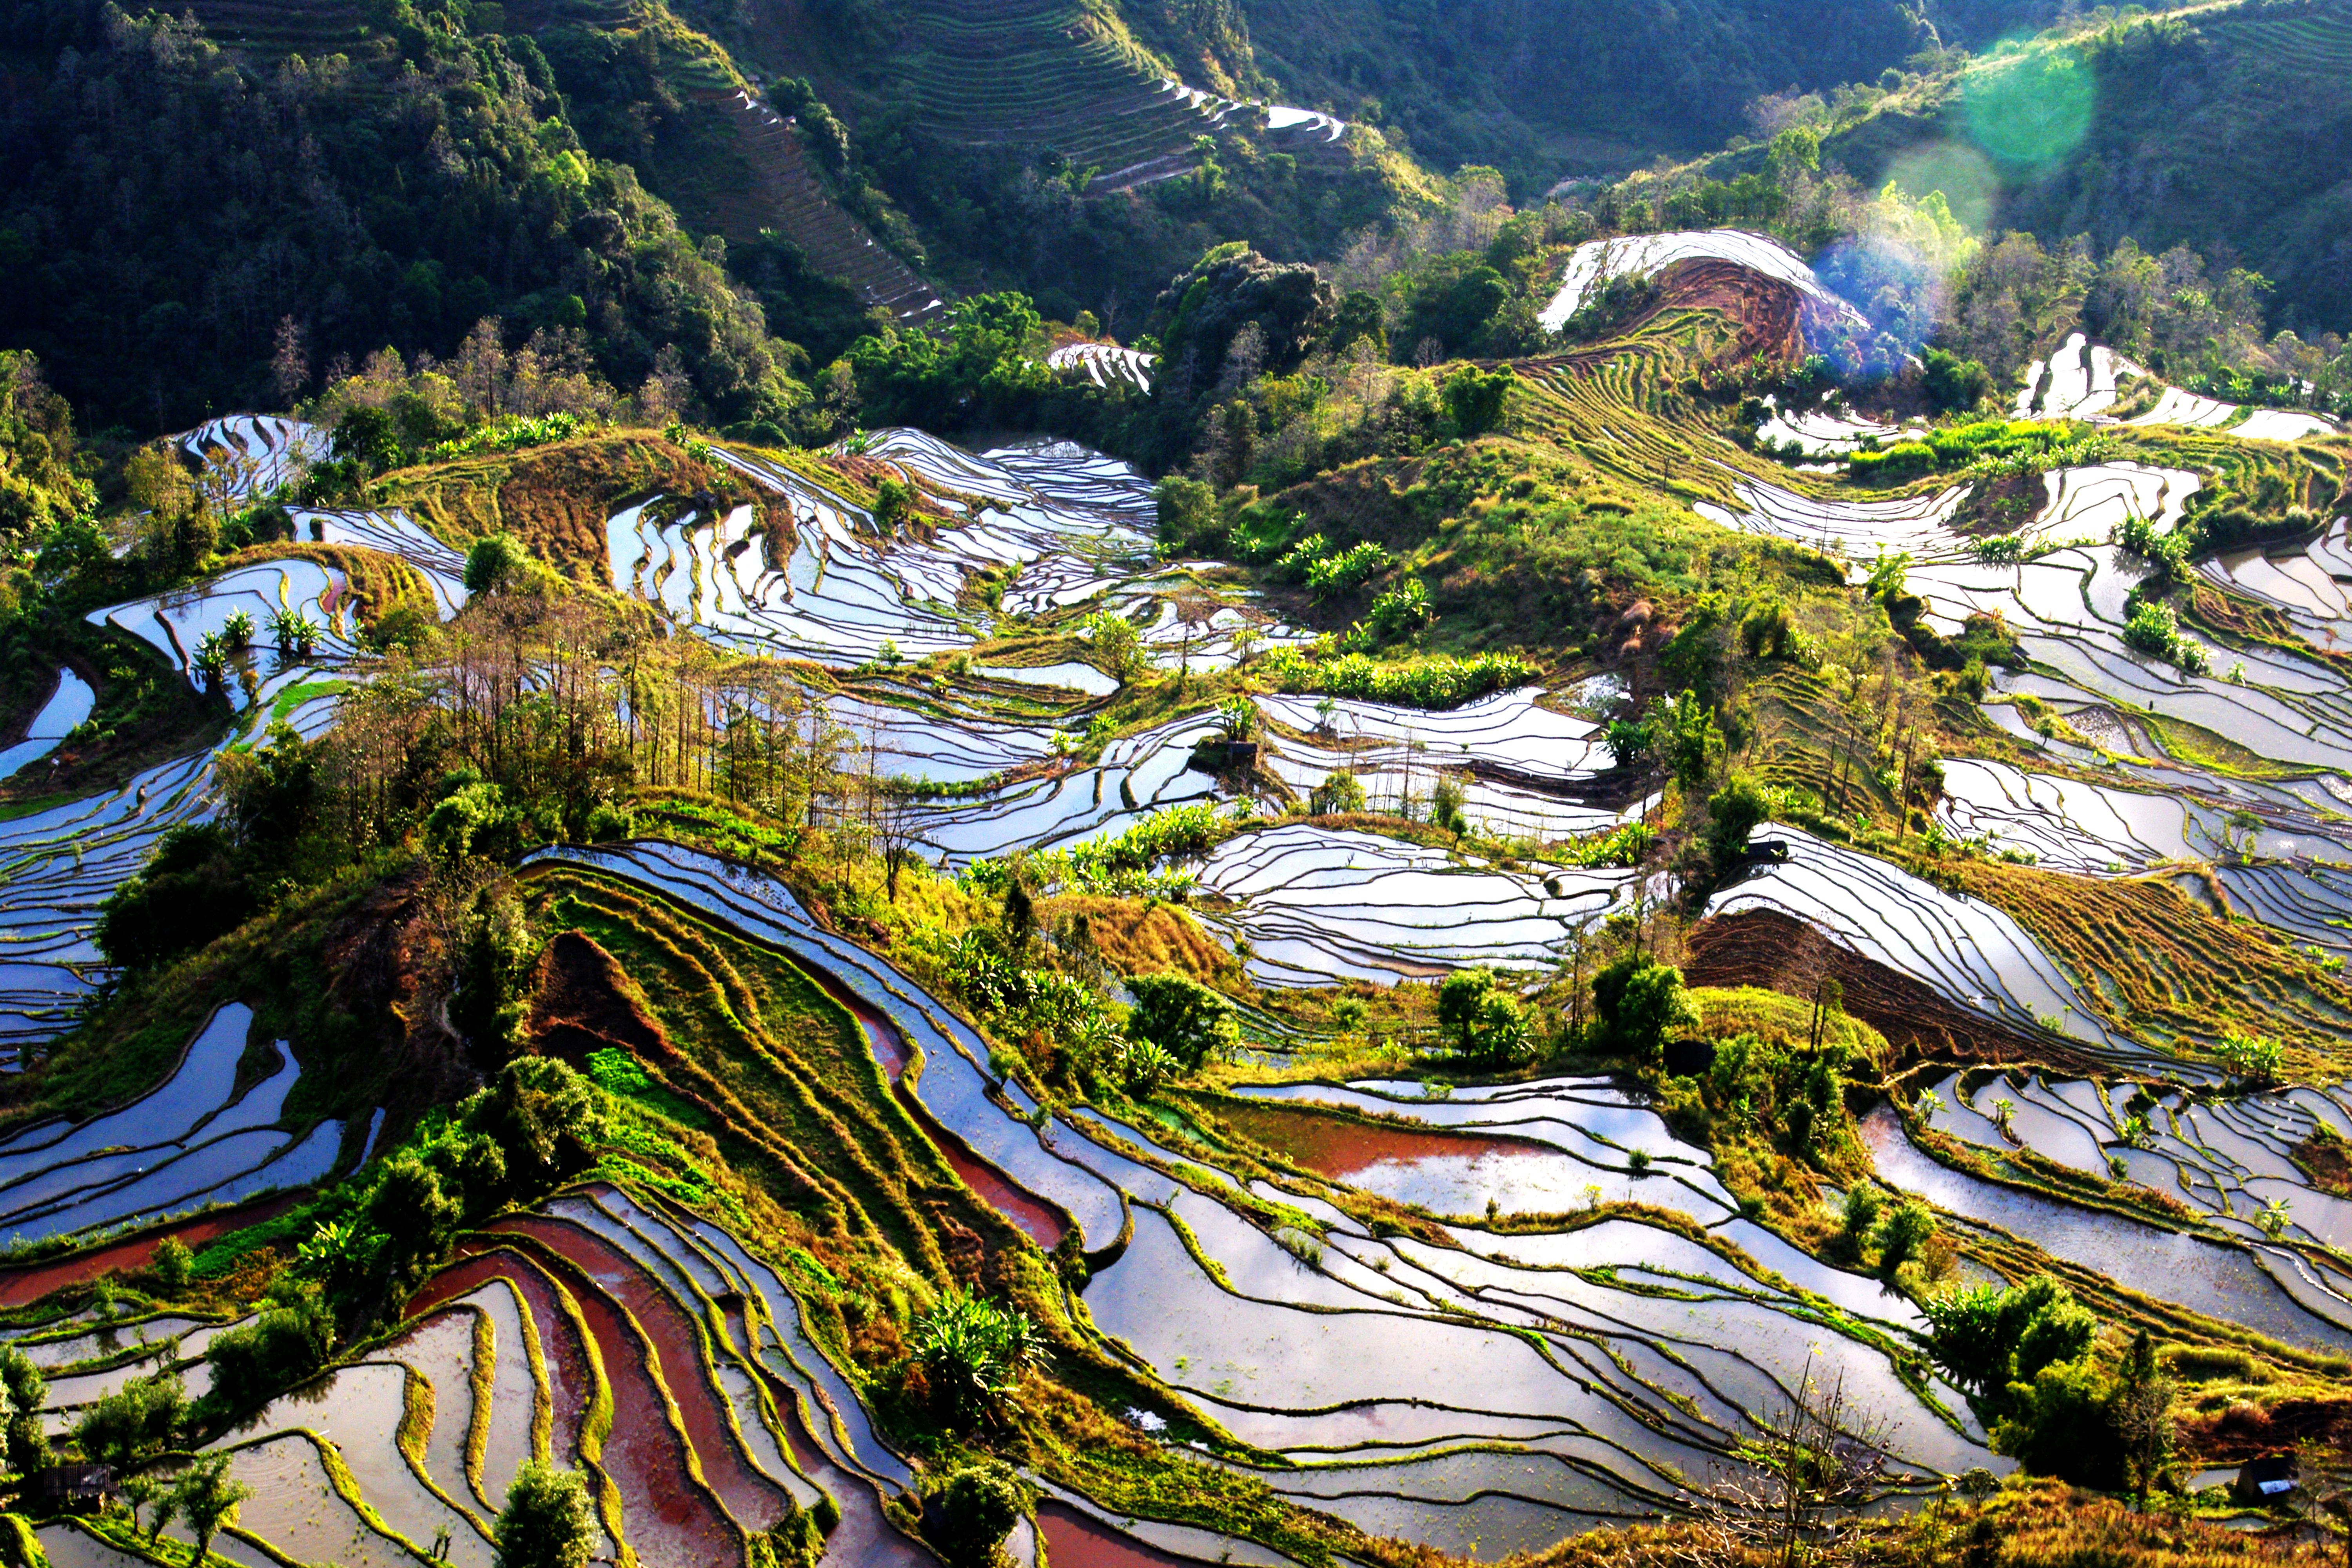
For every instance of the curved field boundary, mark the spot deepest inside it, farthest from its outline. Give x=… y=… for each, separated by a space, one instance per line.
x=566 y=1365
x=726 y=1410
x=951 y=1083
x=651 y=1451
x=692 y=1263
x=21 y=1287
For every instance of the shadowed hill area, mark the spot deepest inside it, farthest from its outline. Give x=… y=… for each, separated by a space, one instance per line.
x=1548 y=90
x=2225 y=129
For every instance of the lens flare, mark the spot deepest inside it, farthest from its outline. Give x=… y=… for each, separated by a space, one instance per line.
x=1900 y=290
x=2033 y=107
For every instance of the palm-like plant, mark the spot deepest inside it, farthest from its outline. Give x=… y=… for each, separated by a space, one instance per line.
x=237 y=629
x=294 y=630
x=974 y=1354
x=212 y=658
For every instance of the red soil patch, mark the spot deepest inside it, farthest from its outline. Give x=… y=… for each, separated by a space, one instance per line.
x=582 y=1002
x=1340 y=1147
x=20 y=1287
x=753 y=1500
x=1774 y=320
x=1073 y=1540
x=571 y=1383
x=667 y=1516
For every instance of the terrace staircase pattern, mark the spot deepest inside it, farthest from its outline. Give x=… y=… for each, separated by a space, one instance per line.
x=785 y=194
x=1040 y=73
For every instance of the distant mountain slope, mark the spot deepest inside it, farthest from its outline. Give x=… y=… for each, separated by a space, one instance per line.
x=1546 y=88
x=380 y=173
x=2226 y=129
x=1085 y=151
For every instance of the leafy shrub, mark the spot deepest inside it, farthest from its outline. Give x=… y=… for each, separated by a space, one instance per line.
x=1402 y=610
x=511 y=434
x=970 y=1510
x=1681 y=733
x=894 y=502
x=495 y=957
x=28 y=1392
x=468 y=821
x=1489 y=1025
x=1620 y=847
x=253 y=1364
x=2060 y=1426
x=2255 y=1059
x=1475 y=400
x=1638 y=1004
x=1439 y=681
x=189 y=892
x=135 y=1421
x=1144 y=1067
x=1237 y=718
x=1188 y=516
x=1500 y=1034
x=1987 y=1337
x=548 y=1521
x=2167 y=553
x=1863 y=1203
x=1115 y=647
x=1340 y=795
x=203 y=1496
x=1301 y=557
x=1182 y=1017
x=495 y=561
x=1767 y=632
x=545 y=1119
x=1445 y=806
x=1119 y=865
x=1331 y=577
x=1904 y=460
x=170 y=1263
x=1907 y=1230
x=2154 y=628
x=1955 y=384
x=1733 y=813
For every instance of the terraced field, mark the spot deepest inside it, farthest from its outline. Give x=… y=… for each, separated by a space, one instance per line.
x=786 y=193
x=2081 y=381
x=1474 y=1318
x=1592 y=1402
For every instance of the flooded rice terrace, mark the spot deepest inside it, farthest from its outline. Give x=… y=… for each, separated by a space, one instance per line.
x=1510 y=1367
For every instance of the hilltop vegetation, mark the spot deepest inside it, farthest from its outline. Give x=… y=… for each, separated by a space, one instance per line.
x=2117 y=127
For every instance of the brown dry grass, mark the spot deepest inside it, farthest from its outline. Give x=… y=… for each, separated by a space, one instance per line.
x=2167 y=970
x=556 y=498
x=1138 y=936
x=2038 y=1524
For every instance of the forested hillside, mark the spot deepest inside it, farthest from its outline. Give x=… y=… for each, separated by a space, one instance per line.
x=189 y=229
x=1545 y=91
x=2222 y=128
